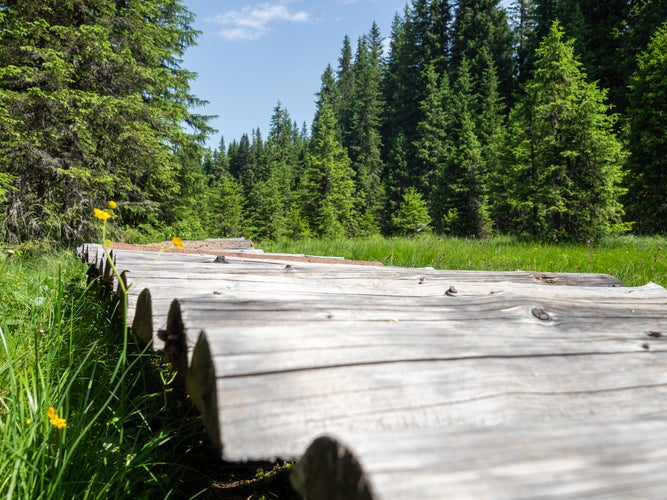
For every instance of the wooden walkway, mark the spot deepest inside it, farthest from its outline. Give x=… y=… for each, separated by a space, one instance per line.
x=393 y=383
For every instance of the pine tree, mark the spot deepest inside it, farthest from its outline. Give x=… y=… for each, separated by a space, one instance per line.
x=224 y=215
x=647 y=140
x=565 y=159
x=96 y=101
x=434 y=143
x=345 y=87
x=462 y=180
x=412 y=216
x=365 y=136
x=482 y=36
x=327 y=186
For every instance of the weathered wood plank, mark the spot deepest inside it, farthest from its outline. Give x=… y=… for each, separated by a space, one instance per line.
x=137 y=262
x=168 y=276
x=612 y=459
x=276 y=415
x=387 y=361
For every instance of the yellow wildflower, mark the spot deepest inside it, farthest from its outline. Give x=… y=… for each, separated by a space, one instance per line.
x=28 y=421
x=113 y=205
x=102 y=214
x=178 y=243
x=56 y=421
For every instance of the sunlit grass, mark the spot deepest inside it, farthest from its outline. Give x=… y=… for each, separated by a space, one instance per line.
x=71 y=424
x=634 y=260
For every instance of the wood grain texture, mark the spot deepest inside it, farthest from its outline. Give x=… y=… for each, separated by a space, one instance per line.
x=611 y=459
x=171 y=275
x=404 y=362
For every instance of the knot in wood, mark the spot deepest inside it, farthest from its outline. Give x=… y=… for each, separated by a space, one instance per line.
x=540 y=314
x=451 y=291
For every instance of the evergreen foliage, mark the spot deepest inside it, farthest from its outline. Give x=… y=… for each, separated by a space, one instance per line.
x=478 y=119
x=466 y=211
x=225 y=208
x=434 y=144
x=412 y=216
x=364 y=141
x=565 y=160
x=94 y=102
x=647 y=138
x=328 y=185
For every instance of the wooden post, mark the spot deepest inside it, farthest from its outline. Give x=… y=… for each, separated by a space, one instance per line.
x=329 y=471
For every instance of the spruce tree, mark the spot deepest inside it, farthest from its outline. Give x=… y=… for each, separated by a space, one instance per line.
x=95 y=101
x=643 y=19
x=462 y=181
x=401 y=117
x=647 y=138
x=328 y=185
x=225 y=208
x=434 y=143
x=482 y=36
x=365 y=136
x=420 y=39
x=523 y=21
x=565 y=161
x=345 y=87
x=272 y=207
x=412 y=216
x=242 y=164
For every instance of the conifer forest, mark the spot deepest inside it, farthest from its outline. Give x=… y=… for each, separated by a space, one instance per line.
x=546 y=120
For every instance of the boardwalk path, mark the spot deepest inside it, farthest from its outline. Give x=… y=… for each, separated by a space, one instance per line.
x=415 y=383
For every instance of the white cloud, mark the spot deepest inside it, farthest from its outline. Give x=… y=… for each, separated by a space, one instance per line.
x=251 y=23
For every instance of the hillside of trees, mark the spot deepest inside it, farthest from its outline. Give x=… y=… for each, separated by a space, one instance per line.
x=545 y=121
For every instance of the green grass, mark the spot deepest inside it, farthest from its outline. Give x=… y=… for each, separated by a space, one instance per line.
x=61 y=347
x=130 y=431
x=634 y=260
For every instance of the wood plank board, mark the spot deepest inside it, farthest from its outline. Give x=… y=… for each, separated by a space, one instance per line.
x=171 y=275
x=611 y=459
x=339 y=362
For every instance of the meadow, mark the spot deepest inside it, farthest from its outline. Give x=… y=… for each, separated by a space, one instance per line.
x=83 y=413
x=87 y=413
x=632 y=259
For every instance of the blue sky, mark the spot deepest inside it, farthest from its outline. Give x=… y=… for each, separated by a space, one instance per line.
x=252 y=54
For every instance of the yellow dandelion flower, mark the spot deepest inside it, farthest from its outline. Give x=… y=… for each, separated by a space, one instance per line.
x=178 y=243
x=103 y=215
x=56 y=421
x=28 y=421
x=113 y=205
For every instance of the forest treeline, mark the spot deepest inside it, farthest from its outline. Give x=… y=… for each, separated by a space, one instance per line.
x=546 y=120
